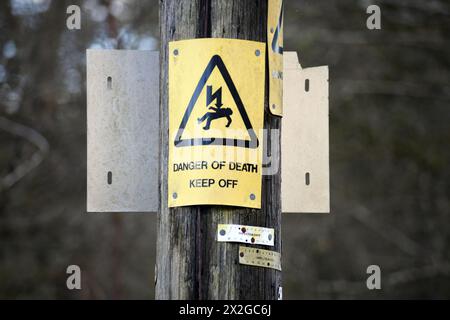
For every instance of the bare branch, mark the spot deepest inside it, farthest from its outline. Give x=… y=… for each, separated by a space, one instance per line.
x=28 y=165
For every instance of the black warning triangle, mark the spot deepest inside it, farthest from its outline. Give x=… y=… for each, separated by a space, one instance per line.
x=253 y=143
x=275 y=42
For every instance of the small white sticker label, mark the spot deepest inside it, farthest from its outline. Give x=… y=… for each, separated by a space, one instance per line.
x=245 y=234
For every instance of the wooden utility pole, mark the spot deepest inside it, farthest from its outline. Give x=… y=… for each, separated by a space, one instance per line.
x=191 y=264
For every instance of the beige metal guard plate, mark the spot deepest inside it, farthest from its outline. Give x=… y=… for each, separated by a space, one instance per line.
x=275 y=53
x=245 y=234
x=216 y=111
x=259 y=258
x=122 y=130
x=305 y=183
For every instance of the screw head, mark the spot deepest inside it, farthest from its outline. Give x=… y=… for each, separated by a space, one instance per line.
x=241 y=254
x=222 y=232
x=270 y=237
x=257 y=53
x=175 y=52
x=252 y=197
x=174 y=195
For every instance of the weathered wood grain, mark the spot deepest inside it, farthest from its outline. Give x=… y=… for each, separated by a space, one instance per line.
x=191 y=264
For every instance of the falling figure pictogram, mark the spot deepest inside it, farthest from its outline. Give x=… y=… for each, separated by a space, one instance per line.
x=218 y=111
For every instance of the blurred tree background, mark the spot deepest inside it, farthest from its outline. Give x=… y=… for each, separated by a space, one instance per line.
x=389 y=156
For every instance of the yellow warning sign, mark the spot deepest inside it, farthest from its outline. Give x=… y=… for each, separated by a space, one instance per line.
x=216 y=113
x=275 y=52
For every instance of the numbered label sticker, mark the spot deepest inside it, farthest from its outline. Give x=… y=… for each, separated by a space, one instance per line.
x=245 y=234
x=260 y=258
